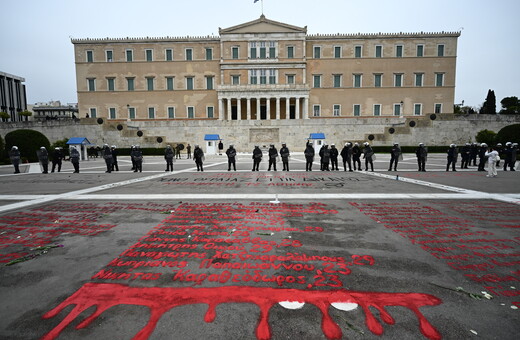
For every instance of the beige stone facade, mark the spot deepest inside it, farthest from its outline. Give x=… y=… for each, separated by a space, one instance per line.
x=266 y=70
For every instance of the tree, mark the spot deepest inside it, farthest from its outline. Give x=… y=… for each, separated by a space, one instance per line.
x=5 y=116
x=510 y=105
x=510 y=133
x=486 y=136
x=27 y=141
x=25 y=114
x=490 y=105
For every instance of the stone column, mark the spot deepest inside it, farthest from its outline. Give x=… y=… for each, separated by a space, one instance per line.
x=221 y=109
x=305 y=108
x=248 y=104
x=297 y=116
x=239 y=109
x=287 y=108
x=277 y=108
x=258 y=108
x=229 y=109
x=268 y=109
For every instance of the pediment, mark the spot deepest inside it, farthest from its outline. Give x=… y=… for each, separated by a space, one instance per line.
x=262 y=25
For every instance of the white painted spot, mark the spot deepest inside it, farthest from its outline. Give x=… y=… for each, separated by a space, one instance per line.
x=291 y=304
x=345 y=306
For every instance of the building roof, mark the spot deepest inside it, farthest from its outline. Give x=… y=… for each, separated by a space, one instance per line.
x=263 y=25
x=78 y=140
x=211 y=137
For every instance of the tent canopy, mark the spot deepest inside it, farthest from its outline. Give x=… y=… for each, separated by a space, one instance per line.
x=78 y=140
x=211 y=137
x=317 y=136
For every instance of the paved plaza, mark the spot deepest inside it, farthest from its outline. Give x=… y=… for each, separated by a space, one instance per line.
x=225 y=254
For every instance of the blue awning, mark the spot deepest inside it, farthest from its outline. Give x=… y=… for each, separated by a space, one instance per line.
x=317 y=136
x=79 y=140
x=211 y=137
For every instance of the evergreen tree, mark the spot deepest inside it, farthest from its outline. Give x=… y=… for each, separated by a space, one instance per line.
x=490 y=105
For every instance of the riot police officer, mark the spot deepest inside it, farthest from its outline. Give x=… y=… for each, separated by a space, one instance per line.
x=273 y=154
x=231 y=155
x=284 y=154
x=346 y=155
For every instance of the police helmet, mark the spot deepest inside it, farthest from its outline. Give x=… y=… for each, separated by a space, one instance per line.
x=483 y=145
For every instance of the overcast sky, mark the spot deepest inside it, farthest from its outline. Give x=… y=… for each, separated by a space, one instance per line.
x=35 y=34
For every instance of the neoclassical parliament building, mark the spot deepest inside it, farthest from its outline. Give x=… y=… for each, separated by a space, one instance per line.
x=266 y=70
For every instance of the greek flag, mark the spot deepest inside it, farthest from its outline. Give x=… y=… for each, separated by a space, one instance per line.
x=255 y=1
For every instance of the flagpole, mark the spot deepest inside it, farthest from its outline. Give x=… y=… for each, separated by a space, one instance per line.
x=262 y=7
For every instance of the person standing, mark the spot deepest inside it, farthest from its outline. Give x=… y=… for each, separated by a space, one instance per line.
x=492 y=158
x=220 y=147
x=107 y=155
x=257 y=157
x=14 y=155
x=465 y=155
x=285 y=154
x=43 y=157
x=273 y=154
x=368 y=155
x=178 y=149
x=508 y=157
x=188 y=151
x=74 y=159
x=346 y=155
x=499 y=149
x=473 y=154
x=395 y=154
x=452 y=157
x=334 y=153
x=422 y=154
x=57 y=157
x=168 y=156
x=132 y=148
x=482 y=156
x=309 y=156
x=325 y=157
x=115 y=152
x=231 y=155
x=137 y=155
x=198 y=156
x=356 y=156
x=513 y=157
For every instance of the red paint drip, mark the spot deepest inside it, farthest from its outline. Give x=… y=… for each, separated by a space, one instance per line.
x=106 y=295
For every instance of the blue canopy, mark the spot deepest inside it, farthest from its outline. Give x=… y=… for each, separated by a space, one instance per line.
x=211 y=137
x=317 y=136
x=79 y=140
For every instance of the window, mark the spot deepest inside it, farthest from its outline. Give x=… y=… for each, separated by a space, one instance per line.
x=110 y=84
x=290 y=52
x=234 y=52
x=210 y=111
x=130 y=83
x=112 y=113
x=209 y=82
x=272 y=49
x=439 y=79
x=252 y=77
x=171 y=112
x=168 y=54
x=272 y=76
x=209 y=53
x=337 y=80
x=377 y=109
x=398 y=79
x=420 y=50
x=417 y=109
x=235 y=80
x=252 y=50
x=149 y=83
x=131 y=112
x=93 y=112
x=358 y=50
x=263 y=53
x=148 y=55
x=399 y=51
x=263 y=76
x=437 y=108
x=317 y=52
x=337 y=51
x=189 y=83
x=377 y=80
x=91 y=82
x=169 y=83
x=109 y=55
x=316 y=110
x=357 y=80
x=419 y=79
x=151 y=112
x=397 y=109
x=129 y=55
x=356 y=110
x=290 y=79
x=316 y=83
x=440 y=50
x=191 y=112
x=90 y=56
x=189 y=54
x=379 y=51
x=336 y=110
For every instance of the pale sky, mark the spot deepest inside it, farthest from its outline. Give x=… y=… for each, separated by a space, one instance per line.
x=35 y=34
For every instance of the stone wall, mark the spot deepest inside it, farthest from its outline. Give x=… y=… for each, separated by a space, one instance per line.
x=445 y=129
